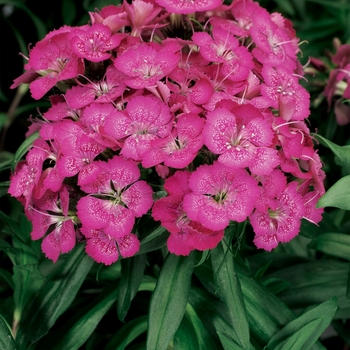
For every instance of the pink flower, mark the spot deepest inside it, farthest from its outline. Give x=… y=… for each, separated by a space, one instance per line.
x=45 y=215
x=94 y=43
x=241 y=138
x=53 y=59
x=219 y=195
x=104 y=91
x=78 y=150
x=185 y=234
x=111 y=16
x=184 y=6
x=142 y=15
x=179 y=148
x=225 y=48
x=146 y=118
x=105 y=249
x=284 y=92
x=146 y=64
x=281 y=222
x=117 y=197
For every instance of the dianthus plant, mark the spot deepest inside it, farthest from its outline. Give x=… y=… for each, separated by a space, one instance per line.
x=190 y=113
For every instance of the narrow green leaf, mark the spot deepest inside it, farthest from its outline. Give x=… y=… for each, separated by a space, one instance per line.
x=153 y=241
x=169 y=300
x=6 y=340
x=185 y=337
x=230 y=291
x=205 y=341
x=336 y=244
x=54 y=297
x=23 y=148
x=228 y=343
x=127 y=333
x=131 y=278
x=309 y=325
x=78 y=334
x=342 y=152
x=5 y=160
x=338 y=195
x=315 y=282
x=7 y=278
x=299 y=339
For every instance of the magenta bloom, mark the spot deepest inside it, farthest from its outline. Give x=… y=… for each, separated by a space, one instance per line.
x=145 y=119
x=241 y=138
x=185 y=6
x=51 y=213
x=285 y=93
x=117 y=197
x=94 y=43
x=185 y=234
x=146 y=64
x=179 y=148
x=105 y=249
x=53 y=59
x=281 y=222
x=219 y=195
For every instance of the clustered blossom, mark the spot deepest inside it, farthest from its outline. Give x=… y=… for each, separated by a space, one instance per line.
x=198 y=99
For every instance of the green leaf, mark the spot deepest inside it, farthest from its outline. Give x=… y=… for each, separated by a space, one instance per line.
x=153 y=241
x=6 y=159
x=78 y=333
x=205 y=341
x=185 y=337
x=169 y=300
x=131 y=278
x=23 y=148
x=127 y=333
x=304 y=331
x=342 y=152
x=336 y=244
x=315 y=282
x=229 y=289
x=69 y=12
x=338 y=195
x=54 y=298
x=6 y=340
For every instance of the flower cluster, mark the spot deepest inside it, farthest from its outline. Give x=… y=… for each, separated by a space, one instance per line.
x=199 y=98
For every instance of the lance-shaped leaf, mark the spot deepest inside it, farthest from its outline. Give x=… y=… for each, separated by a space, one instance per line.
x=131 y=278
x=54 y=298
x=6 y=340
x=169 y=300
x=229 y=289
x=127 y=333
x=304 y=331
x=80 y=331
x=342 y=152
x=336 y=244
x=22 y=149
x=338 y=195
